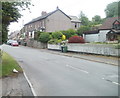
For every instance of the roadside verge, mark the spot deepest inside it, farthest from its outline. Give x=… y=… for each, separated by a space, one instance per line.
x=13 y=83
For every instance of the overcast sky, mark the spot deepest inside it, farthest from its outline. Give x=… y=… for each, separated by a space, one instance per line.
x=71 y=7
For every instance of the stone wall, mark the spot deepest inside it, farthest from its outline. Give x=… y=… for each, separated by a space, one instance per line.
x=89 y=48
x=36 y=44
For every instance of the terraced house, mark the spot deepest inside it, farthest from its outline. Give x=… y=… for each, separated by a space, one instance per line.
x=51 y=22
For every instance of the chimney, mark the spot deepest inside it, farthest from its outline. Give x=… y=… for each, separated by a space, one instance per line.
x=57 y=7
x=43 y=13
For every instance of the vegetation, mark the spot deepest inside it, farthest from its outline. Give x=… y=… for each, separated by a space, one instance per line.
x=69 y=33
x=57 y=35
x=117 y=46
x=112 y=9
x=76 y=39
x=54 y=41
x=83 y=29
x=83 y=18
x=97 y=20
x=7 y=66
x=88 y=25
x=10 y=13
x=44 y=37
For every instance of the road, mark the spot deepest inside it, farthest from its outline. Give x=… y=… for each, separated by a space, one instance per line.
x=57 y=75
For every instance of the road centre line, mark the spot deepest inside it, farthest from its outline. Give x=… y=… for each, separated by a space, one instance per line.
x=111 y=81
x=78 y=69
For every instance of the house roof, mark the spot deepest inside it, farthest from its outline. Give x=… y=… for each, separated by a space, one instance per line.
x=91 y=32
x=45 y=16
x=74 y=19
x=108 y=24
x=115 y=31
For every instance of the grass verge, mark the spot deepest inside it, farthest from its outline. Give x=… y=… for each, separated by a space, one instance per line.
x=7 y=66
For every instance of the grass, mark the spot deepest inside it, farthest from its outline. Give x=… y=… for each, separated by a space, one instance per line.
x=8 y=64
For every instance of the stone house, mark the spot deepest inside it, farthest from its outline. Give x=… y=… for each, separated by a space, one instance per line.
x=108 y=31
x=14 y=35
x=51 y=22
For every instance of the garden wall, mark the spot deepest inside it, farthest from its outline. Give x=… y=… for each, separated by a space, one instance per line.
x=101 y=49
x=36 y=44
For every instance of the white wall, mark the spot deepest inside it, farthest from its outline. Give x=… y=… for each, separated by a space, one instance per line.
x=91 y=38
x=102 y=49
x=102 y=35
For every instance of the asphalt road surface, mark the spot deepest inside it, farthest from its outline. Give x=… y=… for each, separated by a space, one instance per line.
x=57 y=75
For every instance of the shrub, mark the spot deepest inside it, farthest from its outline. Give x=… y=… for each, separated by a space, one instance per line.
x=37 y=34
x=69 y=33
x=57 y=35
x=54 y=41
x=76 y=39
x=44 y=37
x=117 y=46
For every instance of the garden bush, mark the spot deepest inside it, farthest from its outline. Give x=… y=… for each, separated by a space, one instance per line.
x=57 y=35
x=76 y=39
x=44 y=37
x=54 y=41
x=69 y=33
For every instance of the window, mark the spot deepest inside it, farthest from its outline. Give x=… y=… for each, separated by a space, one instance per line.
x=116 y=25
x=75 y=25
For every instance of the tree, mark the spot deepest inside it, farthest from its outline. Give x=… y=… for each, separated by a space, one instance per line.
x=83 y=29
x=44 y=37
x=10 y=13
x=97 y=20
x=112 y=9
x=84 y=20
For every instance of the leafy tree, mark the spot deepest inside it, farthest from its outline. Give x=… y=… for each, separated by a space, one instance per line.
x=112 y=9
x=84 y=20
x=83 y=29
x=97 y=20
x=10 y=13
x=44 y=37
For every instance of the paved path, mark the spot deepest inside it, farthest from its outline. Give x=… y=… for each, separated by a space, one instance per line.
x=90 y=57
x=58 y=75
x=15 y=86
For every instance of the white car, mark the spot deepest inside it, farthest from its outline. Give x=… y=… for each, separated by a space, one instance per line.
x=9 y=42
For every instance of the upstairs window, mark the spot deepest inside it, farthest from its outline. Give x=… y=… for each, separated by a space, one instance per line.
x=116 y=25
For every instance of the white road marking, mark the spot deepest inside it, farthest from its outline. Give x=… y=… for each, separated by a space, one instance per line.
x=33 y=91
x=77 y=69
x=111 y=81
x=116 y=83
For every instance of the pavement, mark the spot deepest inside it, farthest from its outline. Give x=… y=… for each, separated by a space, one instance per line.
x=19 y=86
x=15 y=86
x=91 y=57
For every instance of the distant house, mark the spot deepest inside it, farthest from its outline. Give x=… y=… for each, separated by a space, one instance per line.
x=75 y=22
x=14 y=35
x=51 y=22
x=108 y=31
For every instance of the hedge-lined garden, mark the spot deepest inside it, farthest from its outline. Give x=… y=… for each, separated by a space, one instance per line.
x=70 y=36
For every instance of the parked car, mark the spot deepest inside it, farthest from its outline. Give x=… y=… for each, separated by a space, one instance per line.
x=9 y=42
x=14 y=43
